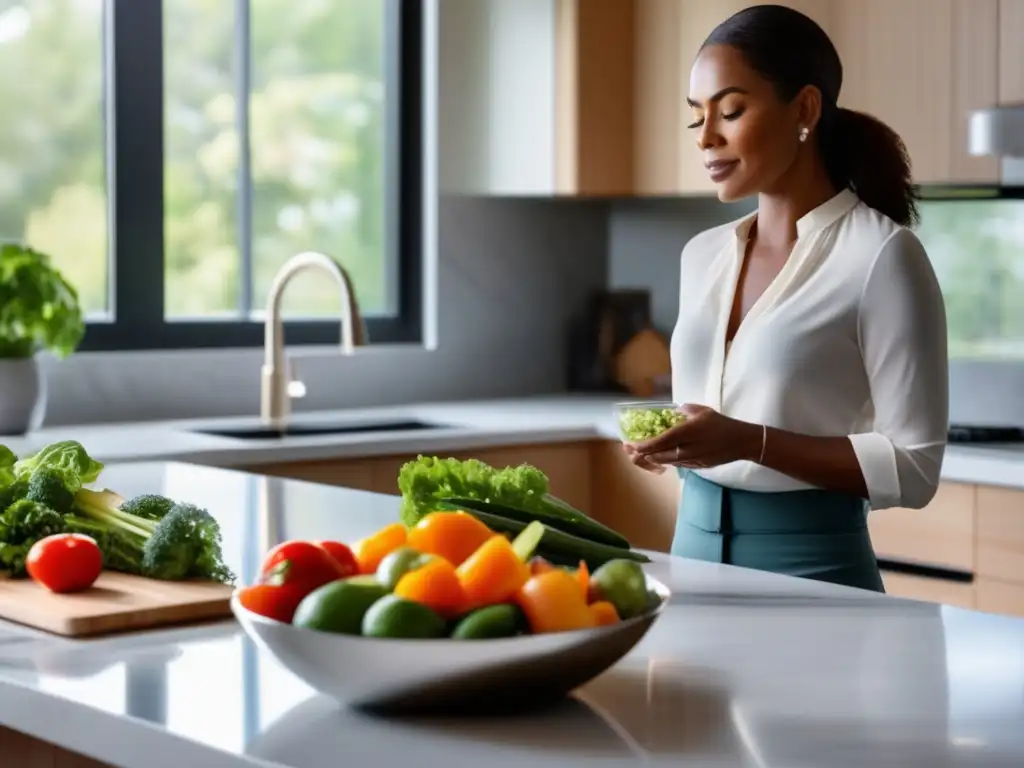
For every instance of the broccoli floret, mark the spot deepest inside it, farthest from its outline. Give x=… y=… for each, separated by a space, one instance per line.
x=49 y=486
x=184 y=543
x=7 y=461
x=29 y=519
x=12 y=492
x=149 y=506
x=22 y=524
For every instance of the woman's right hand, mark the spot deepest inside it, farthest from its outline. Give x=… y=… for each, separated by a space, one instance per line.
x=641 y=461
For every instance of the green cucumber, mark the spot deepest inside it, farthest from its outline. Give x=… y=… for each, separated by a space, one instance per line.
x=562 y=547
x=526 y=542
x=571 y=521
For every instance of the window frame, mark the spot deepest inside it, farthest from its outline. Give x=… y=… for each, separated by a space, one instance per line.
x=134 y=110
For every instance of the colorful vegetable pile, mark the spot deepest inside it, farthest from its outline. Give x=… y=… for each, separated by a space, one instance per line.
x=51 y=525
x=507 y=500
x=449 y=575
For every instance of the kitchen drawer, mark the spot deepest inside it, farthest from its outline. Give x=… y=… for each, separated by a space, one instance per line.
x=941 y=534
x=930 y=590
x=995 y=596
x=1000 y=544
x=346 y=473
x=639 y=505
x=23 y=751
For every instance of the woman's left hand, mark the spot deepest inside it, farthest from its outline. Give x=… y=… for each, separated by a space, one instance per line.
x=706 y=439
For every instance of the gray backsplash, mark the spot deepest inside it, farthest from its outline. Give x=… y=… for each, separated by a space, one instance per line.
x=646 y=237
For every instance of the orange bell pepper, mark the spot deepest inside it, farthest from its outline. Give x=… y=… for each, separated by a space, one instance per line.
x=539 y=565
x=434 y=585
x=554 y=602
x=583 y=577
x=451 y=535
x=375 y=547
x=492 y=574
x=604 y=613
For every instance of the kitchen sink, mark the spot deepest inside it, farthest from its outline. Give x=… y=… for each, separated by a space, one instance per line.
x=264 y=432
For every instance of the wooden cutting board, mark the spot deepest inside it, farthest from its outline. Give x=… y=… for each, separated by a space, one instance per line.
x=642 y=361
x=116 y=603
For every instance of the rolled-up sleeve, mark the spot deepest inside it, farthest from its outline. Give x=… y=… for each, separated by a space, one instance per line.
x=902 y=334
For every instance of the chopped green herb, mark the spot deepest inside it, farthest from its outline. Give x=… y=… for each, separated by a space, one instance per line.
x=643 y=423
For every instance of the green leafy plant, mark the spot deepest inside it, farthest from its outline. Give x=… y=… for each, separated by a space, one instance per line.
x=39 y=309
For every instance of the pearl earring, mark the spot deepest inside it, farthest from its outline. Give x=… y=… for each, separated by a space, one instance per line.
x=804 y=133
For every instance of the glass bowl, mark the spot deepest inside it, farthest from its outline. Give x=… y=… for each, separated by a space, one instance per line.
x=644 y=419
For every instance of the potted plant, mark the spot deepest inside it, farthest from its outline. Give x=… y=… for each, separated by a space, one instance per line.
x=39 y=312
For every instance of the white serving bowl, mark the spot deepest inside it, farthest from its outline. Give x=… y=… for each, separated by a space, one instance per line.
x=398 y=674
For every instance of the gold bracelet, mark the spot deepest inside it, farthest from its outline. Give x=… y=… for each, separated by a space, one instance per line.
x=764 y=442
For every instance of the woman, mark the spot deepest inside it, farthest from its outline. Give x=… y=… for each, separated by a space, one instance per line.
x=810 y=350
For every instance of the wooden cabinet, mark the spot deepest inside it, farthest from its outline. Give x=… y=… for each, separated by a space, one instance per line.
x=588 y=97
x=641 y=506
x=567 y=466
x=536 y=97
x=973 y=529
x=26 y=751
x=941 y=534
x=945 y=591
x=995 y=596
x=1011 y=63
x=595 y=477
x=921 y=66
x=1000 y=540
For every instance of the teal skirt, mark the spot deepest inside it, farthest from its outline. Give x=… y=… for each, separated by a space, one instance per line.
x=812 y=534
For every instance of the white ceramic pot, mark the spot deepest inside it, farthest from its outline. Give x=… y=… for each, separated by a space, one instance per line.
x=22 y=395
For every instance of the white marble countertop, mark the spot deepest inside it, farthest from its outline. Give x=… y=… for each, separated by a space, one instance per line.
x=743 y=669
x=462 y=426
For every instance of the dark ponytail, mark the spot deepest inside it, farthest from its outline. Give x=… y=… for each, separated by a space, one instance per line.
x=860 y=152
x=866 y=155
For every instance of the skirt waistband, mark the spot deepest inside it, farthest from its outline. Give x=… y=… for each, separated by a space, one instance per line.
x=717 y=509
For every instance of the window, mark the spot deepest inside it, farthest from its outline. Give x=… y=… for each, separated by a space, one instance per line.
x=172 y=155
x=977 y=250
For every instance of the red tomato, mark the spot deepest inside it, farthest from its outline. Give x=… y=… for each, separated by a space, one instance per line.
x=274 y=602
x=342 y=555
x=301 y=564
x=65 y=562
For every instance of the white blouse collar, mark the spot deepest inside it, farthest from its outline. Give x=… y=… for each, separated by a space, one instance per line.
x=816 y=219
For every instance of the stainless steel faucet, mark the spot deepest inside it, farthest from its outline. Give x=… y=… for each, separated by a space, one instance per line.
x=277 y=385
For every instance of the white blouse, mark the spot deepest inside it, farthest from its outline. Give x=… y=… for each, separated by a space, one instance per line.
x=849 y=339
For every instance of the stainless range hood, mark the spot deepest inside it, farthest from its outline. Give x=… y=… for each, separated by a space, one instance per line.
x=999 y=131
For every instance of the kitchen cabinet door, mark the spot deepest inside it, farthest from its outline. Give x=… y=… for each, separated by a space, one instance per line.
x=357 y=474
x=536 y=97
x=1005 y=597
x=941 y=534
x=639 y=505
x=1011 y=63
x=920 y=66
x=929 y=590
x=1000 y=538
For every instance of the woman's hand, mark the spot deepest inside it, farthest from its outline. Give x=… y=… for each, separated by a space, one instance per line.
x=705 y=439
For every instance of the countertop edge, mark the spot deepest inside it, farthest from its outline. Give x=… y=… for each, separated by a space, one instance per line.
x=88 y=730
x=463 y=425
